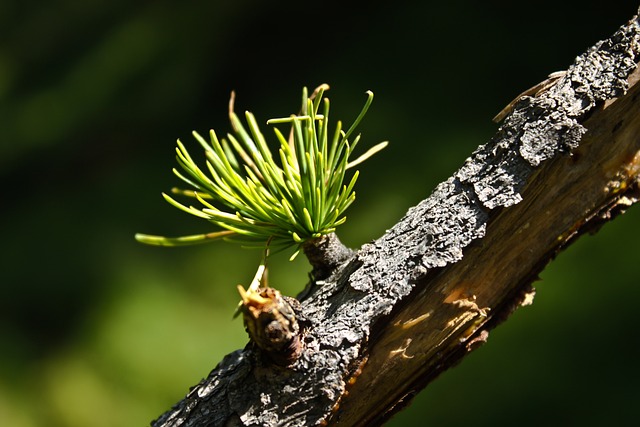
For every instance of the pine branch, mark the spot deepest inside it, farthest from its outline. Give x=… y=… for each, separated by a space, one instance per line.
x=388 y=319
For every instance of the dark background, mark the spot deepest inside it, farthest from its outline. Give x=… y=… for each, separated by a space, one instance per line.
x=96 y=329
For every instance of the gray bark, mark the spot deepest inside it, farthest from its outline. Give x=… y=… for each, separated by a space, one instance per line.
x=352 y=304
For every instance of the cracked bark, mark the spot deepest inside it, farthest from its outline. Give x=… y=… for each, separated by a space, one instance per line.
x=394 y=314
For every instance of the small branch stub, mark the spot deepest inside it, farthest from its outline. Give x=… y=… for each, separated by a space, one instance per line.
x=270 y=320
x=325 y=254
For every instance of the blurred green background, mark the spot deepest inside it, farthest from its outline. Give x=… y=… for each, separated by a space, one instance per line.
x=98 y=330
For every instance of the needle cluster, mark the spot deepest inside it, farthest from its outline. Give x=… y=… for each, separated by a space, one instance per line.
x=260 y=199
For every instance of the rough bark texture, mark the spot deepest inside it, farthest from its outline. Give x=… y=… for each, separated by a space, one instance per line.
x=404 y=308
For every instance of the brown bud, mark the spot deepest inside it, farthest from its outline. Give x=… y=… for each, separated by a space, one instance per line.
x=270 y=321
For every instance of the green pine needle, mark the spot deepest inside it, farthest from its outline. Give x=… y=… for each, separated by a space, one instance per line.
x=258 y=201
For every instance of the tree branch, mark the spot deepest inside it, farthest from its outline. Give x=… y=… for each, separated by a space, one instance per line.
x=404 y=308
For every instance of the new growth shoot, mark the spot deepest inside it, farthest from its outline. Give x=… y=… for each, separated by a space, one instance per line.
x=260 y=199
